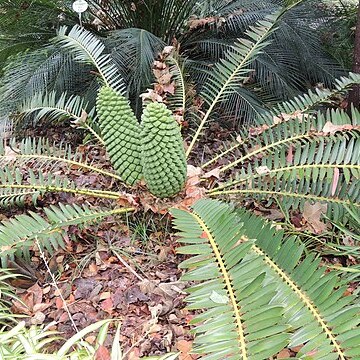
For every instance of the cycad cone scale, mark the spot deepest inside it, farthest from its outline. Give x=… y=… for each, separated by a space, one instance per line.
x=163 y=155
x=121 y=133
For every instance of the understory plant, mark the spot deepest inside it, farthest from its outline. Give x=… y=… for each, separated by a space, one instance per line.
x=260 y=291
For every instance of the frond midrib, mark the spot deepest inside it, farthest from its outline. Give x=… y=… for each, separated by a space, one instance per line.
x=303 y=297
x=52 y=108
x=77 y=191
x=287 y=169
x=64 y=160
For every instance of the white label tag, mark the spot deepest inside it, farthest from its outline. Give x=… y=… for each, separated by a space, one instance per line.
x=80 y=6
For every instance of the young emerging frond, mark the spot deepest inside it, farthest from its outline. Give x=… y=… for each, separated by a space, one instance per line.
x=177 y=101
x=259 y=290
x=88 y=48
x=22 y=231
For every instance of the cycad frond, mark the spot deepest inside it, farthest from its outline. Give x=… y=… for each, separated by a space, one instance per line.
x=233 y=69
x=7 y=294
x=177 y=101
x=22 y=231
x=301 y=162
x=238 y=318
x=50 y=106
x=307 y=102
x=26 y=26
x=163 y=18
x=41 y=153
x=10 y=197
x=240 y=261
x=245 y=104
x=16 y=183
x=43 y=71
x=134 y=51
x=293 y=130
x=88 y=48
x=54 y=107
x=291 y=120
x=352 y=229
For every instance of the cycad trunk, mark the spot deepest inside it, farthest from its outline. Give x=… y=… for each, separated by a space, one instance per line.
x=354 y=95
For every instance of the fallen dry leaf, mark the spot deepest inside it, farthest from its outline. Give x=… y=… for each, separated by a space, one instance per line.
x=290 y=155
x=262 y=170
x=193 y=171
x=169 y=88
x=335 y=181
x=168 y=50
x=10 y=154
x=196 y=23
x=128 y=200
x=59 y=303
x=277 y=120
x=213 y=173
x=38 y=318
x=102 y=353
x=159 y=65
x=107 y=305
x=184 y=347
x=296 y=349
x=330 y=128
x=284 y=354
x=105 y=295
x=134 y=354
x=152 y=96
x=312 y=214
x=258 y=130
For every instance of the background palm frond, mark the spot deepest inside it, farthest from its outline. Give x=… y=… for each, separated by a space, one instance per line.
x=28 y=25
x=87 y=48
x=134 y=51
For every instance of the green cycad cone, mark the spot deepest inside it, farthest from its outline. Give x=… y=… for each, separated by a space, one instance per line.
x=121 y=133
x=163 y=155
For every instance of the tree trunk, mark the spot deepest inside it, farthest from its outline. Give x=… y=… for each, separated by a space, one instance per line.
x=354 y=95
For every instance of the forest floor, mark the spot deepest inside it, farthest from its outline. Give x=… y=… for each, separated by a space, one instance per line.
x=126 y=271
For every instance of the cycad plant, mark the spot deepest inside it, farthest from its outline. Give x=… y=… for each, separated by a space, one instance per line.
x=261 y=292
